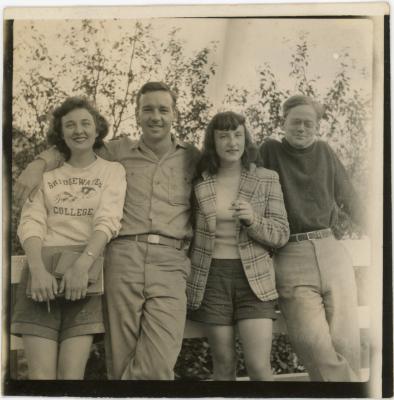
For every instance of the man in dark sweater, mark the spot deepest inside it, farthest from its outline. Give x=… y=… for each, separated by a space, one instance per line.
x=314 y=273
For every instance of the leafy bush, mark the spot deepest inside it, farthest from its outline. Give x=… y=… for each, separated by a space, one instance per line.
x=195 y=362
x=95 y=368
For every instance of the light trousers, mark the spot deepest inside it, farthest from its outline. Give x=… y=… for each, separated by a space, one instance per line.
x=318 y=299
x=144 y=309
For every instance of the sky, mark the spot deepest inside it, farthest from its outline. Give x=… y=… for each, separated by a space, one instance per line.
x=257 y=41
x=243 y=45
x=246 y=44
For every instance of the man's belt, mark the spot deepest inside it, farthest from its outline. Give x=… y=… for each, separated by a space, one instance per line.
x=153 y=238
x=298 y=237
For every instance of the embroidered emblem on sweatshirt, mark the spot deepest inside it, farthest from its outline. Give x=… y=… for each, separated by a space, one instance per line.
x=85 y=192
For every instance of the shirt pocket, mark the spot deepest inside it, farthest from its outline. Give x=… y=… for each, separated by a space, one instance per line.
x=138 y=187
x=179 y=187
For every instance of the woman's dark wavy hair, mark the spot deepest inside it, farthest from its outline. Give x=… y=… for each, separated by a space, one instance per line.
x=55 y=134
x=224 y=121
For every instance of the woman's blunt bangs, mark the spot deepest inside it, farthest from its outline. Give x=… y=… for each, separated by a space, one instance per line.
x=227 y=121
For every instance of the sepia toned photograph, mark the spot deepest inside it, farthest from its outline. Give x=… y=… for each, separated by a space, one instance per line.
x=194 y=195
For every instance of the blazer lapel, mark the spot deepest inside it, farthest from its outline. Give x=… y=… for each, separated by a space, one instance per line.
x=206 y=197
x=248 y=184
x=247 y=187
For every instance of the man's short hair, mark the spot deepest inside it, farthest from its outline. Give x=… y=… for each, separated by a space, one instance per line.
x=301 y=100
x=155 y=87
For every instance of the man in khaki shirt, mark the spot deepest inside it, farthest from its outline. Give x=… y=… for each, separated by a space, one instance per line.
x=146 y=265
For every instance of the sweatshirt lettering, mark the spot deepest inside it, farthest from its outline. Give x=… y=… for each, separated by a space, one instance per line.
x=73 y=212
x=75 y=181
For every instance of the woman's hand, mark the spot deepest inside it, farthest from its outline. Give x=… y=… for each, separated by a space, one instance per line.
x=43 y=284
x=75 y=280
x=243 y=210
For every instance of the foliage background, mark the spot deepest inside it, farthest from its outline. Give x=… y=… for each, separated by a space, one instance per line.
x=212 y=67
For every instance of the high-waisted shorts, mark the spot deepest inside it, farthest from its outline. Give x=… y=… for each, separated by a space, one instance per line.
x=65 y=319
x=229 y=298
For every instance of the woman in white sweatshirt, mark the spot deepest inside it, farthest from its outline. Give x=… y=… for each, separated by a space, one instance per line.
x=78 y=207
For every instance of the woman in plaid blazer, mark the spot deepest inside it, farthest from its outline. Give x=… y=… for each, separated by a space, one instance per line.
x=239 y=217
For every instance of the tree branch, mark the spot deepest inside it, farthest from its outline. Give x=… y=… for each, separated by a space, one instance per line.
x=130 y=78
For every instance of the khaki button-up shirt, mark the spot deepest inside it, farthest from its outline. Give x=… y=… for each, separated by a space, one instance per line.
x=158 y=190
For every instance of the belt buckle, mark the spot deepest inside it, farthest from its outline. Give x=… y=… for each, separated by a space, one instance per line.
x=153 y=239
x=307 y=235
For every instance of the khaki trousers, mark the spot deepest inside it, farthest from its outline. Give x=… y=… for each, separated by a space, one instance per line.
x=318 y=298
x=144 y=309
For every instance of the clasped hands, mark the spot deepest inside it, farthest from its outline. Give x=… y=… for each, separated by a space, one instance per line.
x=74 y=283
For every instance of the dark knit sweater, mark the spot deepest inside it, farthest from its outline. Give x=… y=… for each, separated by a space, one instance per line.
x=314 y=184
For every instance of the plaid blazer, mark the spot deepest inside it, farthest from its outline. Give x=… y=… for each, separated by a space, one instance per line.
x=270 y=229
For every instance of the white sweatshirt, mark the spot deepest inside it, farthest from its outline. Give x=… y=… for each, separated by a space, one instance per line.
x=73 y=202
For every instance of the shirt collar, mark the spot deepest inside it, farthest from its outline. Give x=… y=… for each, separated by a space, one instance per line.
x=292 y=149
x=135 y=144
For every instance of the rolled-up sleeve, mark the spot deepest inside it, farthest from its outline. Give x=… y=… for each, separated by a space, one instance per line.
x=33 y=221
x=110 y=210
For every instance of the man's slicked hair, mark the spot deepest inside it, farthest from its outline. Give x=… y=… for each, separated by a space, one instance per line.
x=155 y=87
